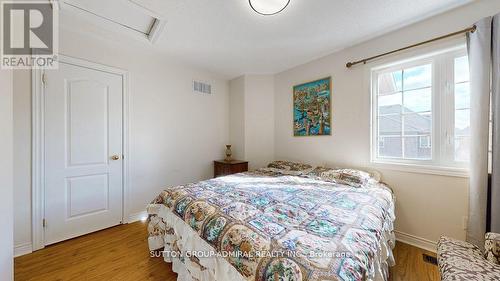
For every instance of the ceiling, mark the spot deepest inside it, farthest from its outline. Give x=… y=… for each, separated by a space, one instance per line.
x=229 y=38
x=128 y=14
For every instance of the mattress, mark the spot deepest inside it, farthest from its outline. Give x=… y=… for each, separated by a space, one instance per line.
x=263 y=225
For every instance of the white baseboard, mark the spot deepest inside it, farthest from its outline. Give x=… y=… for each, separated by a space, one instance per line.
x=137 y=216
x=416 y=241
x=22 y=249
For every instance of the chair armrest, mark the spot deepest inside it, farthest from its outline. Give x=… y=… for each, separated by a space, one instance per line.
x=492 y=247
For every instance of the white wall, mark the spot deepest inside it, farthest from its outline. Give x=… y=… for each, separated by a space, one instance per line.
x=259 y=120
x=427 y=205
x=237 y=117
x=175 y=134
x=6 y=178
x=252 y=119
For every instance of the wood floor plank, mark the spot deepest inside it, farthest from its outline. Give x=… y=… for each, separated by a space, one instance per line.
x=118 y=253
x=121 y=253
x=410 y=265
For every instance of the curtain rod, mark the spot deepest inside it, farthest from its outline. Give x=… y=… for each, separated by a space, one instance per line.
x=364 y=61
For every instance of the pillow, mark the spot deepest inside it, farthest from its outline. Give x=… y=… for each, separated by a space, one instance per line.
x=289 y=168
x=351 y=177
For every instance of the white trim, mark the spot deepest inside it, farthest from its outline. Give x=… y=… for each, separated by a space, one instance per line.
x=126 y=148
x=38 y=179
x=416 y=241
x=156 y=30
x=442 y=157
x=422 y=169
x=419 y=54
x=38 y=158
x=140 y=216
x=22 y=249
x=92 y=65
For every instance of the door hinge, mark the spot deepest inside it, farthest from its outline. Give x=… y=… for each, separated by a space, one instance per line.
x=44 y=79
x=44 y=223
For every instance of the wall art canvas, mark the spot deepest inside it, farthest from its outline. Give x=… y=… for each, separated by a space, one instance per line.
x=312 y=108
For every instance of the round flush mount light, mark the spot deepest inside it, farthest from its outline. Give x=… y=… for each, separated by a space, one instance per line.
x=268 y=7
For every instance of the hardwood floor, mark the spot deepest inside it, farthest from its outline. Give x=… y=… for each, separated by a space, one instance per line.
x=410 y=265
x=117 y=253
x=121 y=253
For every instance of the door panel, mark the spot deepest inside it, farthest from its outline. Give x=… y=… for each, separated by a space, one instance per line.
x=83 y=130
x=87 y=195
x=87 y=135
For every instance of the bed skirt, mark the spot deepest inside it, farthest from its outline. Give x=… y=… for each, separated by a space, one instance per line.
x=170 y=233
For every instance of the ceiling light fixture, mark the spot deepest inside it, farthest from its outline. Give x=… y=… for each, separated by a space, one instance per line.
x=268 y=7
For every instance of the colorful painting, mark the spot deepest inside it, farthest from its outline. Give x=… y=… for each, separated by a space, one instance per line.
x=312 y=108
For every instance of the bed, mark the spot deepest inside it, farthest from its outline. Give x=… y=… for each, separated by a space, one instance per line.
x=277 y=223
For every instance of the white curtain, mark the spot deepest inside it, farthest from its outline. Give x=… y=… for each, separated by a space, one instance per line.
x=479 y=47
x=495 y=186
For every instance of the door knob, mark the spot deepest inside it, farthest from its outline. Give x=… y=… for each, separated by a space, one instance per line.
x=115 y=157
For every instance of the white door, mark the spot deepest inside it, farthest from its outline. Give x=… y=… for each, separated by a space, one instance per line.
x=83 y=151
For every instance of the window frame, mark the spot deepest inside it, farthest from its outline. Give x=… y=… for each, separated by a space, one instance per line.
x=427 y=144
x=443 y=113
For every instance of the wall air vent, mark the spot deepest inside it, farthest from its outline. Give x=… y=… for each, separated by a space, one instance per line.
x=201 y=87
x=430 y=259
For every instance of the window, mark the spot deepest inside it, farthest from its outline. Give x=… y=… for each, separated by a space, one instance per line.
x=462 y=108
x=381 y=142
x=424 y=141
x=421 y=111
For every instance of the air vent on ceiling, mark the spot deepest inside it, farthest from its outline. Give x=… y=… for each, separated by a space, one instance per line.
x=201 y=87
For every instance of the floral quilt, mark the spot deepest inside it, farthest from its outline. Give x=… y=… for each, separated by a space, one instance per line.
x=281 y=227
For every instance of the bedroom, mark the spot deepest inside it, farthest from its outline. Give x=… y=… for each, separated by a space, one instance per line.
x=187 y=78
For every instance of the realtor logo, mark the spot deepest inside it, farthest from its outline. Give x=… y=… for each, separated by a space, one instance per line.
x=29 y=35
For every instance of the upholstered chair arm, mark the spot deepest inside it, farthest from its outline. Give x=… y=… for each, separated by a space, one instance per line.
x=462 y=261
x=492 y=247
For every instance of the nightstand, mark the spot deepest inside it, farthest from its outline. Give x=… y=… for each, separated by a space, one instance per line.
x=224 y=168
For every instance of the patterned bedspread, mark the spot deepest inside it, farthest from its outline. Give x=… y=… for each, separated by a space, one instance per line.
x=275 y=227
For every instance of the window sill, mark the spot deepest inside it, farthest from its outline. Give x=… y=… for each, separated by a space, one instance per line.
x=422 y=169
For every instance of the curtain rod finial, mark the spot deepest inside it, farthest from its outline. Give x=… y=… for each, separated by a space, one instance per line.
x=348 y=65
